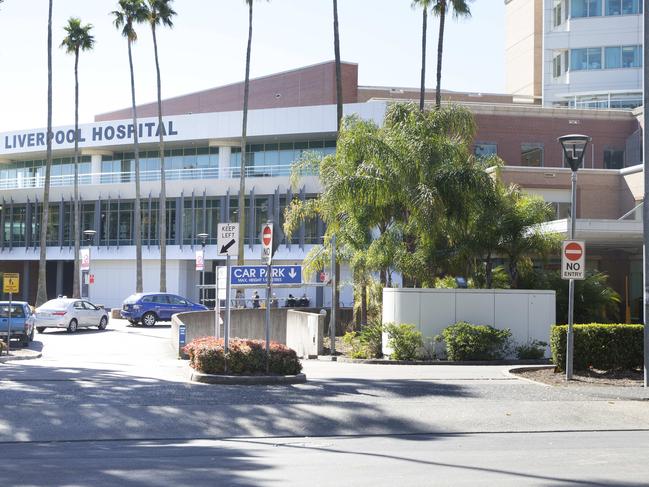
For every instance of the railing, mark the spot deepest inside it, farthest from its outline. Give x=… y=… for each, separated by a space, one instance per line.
x=22 y=182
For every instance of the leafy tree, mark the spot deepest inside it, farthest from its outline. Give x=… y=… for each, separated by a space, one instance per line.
x=41 y=294
x=132 y=12
x=160 y=13
x=441 y=8
x=78 y=39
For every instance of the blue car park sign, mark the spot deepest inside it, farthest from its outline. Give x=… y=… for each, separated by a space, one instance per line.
x=256 y=275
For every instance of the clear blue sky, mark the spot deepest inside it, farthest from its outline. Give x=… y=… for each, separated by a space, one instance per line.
x=207 y=48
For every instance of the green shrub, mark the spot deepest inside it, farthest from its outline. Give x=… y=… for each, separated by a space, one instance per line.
x=244 y=357
x=405 y=340
x=367 y=343
x=533 y=350
x=465 y=341
x=601 y=346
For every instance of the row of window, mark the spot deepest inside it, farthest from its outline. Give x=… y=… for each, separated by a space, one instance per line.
x=594 y=8
x=532 y=154
x=20 y=223
x=30 y=169
x=595 y=58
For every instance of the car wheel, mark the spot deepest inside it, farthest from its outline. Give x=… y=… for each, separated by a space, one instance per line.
x=103 y=323
x=72 y=327
x=148 y=319
x=40 y=329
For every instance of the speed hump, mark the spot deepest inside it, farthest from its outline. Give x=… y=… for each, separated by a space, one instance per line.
x=573 y=259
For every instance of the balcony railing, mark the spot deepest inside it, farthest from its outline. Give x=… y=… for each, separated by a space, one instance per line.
x=22 y=182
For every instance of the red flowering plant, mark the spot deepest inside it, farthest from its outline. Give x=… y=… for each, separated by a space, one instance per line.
x=244 y=357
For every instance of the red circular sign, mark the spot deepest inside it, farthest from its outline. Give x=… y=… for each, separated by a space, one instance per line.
x=267 y=236
x=573 y=251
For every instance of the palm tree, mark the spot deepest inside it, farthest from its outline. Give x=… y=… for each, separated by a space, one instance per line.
x=130 y=13
x=440 y=8
x=160 y=13
x=78 y=39
x=244 y=134
x=425 y=5
x=339 y=77
x=41 y=293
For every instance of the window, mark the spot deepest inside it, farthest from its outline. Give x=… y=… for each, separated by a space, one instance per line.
x=613 y=57
x=160 y=299
x=623 y=7
x=631 y=56
x=613 y=159
x=556 y=66
x=586 y=8
x=532 y=155
x=485 y=149
x=177 y=301
x=90 y=306
x=556 y=14
x=586 y=59
x=613 y=7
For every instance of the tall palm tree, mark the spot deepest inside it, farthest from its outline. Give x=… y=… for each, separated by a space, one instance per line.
x=78 y=39
x=339 y=77
x=425 y=5
x=160 y=13
x=130 y=13
x=441 y=8
x=244 y=137
x=41 y=293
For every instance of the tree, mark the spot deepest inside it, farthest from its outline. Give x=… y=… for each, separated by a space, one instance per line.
x=41 y=294
x=131 y=12
x=425 y=5
x=339 y=77
x=159 y=12
x=460 y=8
x=78 y=39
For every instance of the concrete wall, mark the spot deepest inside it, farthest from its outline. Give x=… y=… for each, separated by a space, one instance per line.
x=301 y=331
x=529 y=314
x=523 y=47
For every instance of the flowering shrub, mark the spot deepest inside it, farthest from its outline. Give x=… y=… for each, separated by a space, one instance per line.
x=244 y=357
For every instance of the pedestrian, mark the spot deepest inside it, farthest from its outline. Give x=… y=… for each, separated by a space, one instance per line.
x=255 y=300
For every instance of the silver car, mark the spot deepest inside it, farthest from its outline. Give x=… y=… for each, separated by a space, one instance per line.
x=70 y=314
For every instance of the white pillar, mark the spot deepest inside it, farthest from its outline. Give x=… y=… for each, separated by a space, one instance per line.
x=95 y=162
x=225 y=153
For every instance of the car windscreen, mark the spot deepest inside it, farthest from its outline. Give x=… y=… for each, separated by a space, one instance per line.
x=17 y=311
x=133 y=298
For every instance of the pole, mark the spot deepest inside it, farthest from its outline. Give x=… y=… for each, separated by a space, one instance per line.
x=645 y=201
x=228 y=290
x=203 y=275
x=570 y=346
x=332 y=321
x=217 y=306
x=9 y=324
x=268 y=290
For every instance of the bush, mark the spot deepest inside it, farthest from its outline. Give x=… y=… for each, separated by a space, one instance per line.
x=601 y=346
x=368 y=343
x=465 y=341
x=245 y=357
x=405 y=340
x=533 y=350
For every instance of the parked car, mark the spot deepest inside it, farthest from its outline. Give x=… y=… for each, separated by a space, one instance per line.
x=150 y=308
x=22 y=321
x=71 y=314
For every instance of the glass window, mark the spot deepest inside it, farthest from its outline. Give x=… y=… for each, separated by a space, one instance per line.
x=557 y=17
x=485 y=149
x=586 y=8
x=556 y=66
x=594 y=58
x=532 y=155
x=613 y=7
x=613 y=159
x=613 y=58
x=631 y=7
x=631 y=56
x=177 y=300
x=161 y=299
x=578 y=59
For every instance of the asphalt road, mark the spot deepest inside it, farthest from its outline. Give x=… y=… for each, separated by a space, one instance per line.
x=115 y=408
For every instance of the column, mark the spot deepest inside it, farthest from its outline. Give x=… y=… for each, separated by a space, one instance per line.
x=225 y=153
x=95 y=163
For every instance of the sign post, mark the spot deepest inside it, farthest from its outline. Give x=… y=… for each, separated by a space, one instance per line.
x=227 y=242
x=266 y=258
x=10 y=285
x=573 y=266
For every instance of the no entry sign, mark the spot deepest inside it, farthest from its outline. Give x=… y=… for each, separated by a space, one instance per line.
x=573 y=259
x=267 y=243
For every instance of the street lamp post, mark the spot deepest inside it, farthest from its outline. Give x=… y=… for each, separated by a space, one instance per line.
x=203 y=237
x=574 y=148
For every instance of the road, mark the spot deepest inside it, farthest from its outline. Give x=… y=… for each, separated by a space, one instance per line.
x=115 y=407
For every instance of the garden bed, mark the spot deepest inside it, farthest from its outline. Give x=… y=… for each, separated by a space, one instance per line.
x=549 y=375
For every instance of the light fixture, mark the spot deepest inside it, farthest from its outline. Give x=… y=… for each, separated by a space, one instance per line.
x=574 y=148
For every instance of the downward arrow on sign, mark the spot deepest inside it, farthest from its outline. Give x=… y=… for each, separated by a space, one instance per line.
x=292 y=273
x=226 y=247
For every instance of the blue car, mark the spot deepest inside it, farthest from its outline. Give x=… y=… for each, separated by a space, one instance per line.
x=22 y=321
x=150 y=308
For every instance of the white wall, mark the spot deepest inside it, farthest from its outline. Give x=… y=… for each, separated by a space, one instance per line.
x=529 y=314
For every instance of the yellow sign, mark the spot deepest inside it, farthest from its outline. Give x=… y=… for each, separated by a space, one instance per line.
x=10 y=283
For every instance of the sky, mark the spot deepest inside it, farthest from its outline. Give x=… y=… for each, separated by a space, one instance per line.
x=206 y=48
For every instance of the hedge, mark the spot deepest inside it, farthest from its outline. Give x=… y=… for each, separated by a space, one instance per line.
x=600 y=346
x=465 y=341
x=245 y=357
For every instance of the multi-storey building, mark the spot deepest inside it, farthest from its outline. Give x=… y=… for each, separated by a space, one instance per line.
x=577 y=53
x=290 y=113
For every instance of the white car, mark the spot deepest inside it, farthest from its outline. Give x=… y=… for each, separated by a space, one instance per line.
x=70 y=314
